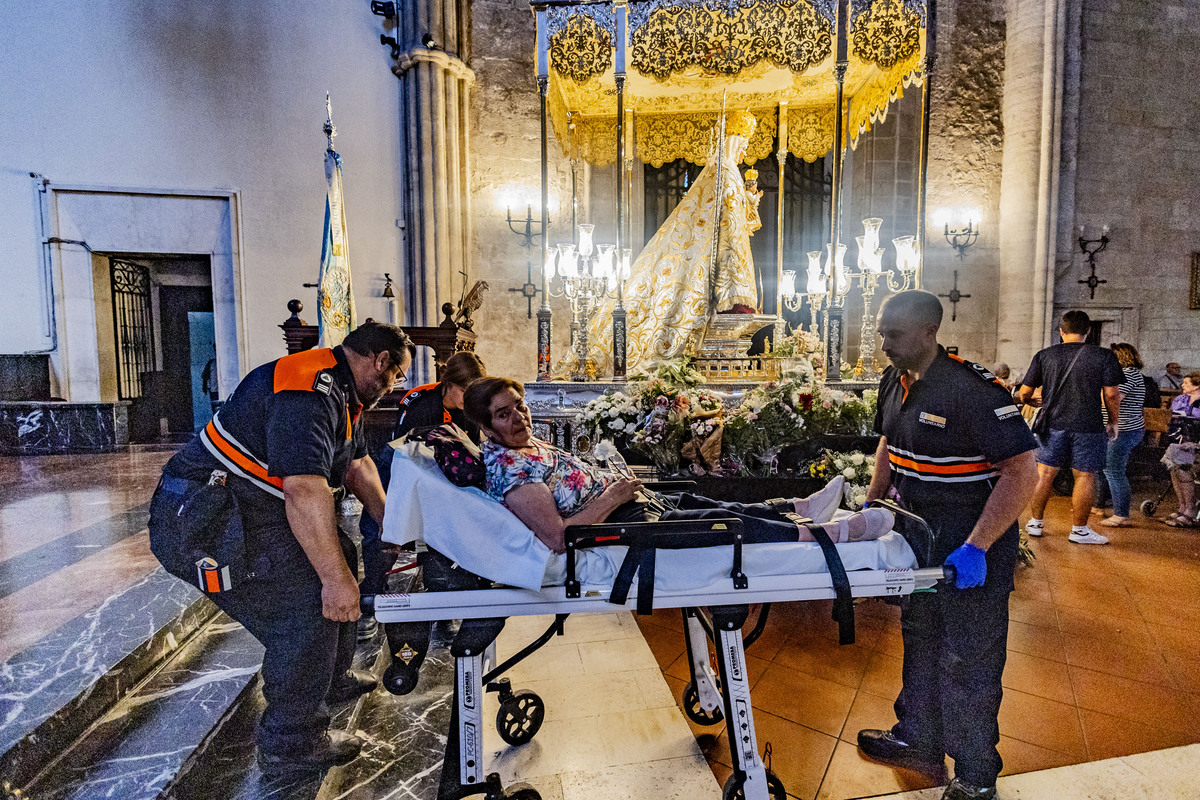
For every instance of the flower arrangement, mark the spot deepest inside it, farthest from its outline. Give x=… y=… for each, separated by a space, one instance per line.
x=770 y=417
x=856 y=467
x=670 y=418
x=801 y=346
x=666 y=417
x=613 y=415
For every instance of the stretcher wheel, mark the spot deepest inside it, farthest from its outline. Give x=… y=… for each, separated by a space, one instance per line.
x=733 y=788
x=520 y=717
x=1149 y=507
x=400 y=679
x=521 y=791
x=691 y=707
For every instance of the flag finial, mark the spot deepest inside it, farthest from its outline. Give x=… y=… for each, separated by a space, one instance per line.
x=330 y=131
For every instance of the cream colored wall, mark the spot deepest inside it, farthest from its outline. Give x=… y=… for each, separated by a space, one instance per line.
x=223 y=95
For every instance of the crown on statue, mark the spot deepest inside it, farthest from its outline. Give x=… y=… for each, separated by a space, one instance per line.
x=741 y=123
x=751 y=174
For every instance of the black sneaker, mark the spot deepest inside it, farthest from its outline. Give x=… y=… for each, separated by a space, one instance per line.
x=350 y=685
x=961 y=790
x=334 y=748
x=883 y=746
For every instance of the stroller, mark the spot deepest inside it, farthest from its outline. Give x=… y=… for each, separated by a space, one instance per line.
x=1180 y=430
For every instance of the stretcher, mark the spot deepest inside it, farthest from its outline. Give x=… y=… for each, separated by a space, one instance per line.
x=713 y=612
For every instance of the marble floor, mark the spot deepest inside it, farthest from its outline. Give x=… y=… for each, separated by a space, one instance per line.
x=1103 y=661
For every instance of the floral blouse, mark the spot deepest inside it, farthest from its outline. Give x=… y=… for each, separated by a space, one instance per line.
x=573 y=483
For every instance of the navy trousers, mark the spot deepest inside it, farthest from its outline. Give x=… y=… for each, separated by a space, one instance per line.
x=954 y=651
x=276 y=595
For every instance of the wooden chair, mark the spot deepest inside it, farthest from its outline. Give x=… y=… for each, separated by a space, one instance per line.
x=1157 y=420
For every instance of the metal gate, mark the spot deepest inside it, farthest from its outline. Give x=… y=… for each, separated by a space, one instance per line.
x=133 y=326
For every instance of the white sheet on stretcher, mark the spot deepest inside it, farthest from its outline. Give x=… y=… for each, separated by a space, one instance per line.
x=484 y=537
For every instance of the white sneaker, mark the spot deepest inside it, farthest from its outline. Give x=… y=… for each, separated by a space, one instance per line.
x=1035 y=528
x=1087 y=536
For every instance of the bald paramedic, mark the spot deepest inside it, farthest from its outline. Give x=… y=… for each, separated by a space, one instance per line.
x=954 y=450
x=247 y=511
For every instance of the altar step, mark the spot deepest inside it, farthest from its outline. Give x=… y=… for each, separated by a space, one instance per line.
x=137 y=749
x=54 y=690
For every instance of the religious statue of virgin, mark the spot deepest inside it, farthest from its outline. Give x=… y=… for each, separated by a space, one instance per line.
x=675 y=285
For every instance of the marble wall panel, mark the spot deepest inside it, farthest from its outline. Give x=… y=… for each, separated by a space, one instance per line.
x=45 y=428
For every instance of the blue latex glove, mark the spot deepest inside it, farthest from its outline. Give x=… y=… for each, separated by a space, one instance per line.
x=971 y=565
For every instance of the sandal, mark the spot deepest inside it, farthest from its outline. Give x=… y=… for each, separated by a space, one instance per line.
x=1116 y=522
x=1180 y=521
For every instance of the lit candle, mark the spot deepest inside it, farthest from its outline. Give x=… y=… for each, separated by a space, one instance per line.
x=604 y=261
x=551 y=254
x=788 y=287
x=816 y=282
x=626 y=263
x=585 y=240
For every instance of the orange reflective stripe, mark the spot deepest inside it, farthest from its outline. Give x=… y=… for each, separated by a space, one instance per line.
x=298 y=371
x=232 y=453
x=425 y=387
x=940 y=469
x=212 y=581
x=963 y=361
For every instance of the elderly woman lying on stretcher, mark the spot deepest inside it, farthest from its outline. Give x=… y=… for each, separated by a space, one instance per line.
x=549 y=489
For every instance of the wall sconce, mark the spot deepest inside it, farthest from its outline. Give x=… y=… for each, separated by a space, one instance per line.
x=960 y=226
x=1091 y=248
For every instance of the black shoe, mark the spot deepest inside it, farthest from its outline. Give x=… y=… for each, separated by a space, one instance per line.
x=883 y=746
x=334 y=748
x=961 y=790
x=350 y=685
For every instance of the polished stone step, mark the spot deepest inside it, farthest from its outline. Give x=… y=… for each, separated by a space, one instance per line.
x=136 y=750
x=51 y=692
x=227 y=767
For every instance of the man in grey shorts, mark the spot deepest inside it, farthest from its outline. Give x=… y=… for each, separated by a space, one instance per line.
x=1074 y=376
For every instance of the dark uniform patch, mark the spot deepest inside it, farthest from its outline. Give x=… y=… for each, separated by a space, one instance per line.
x=323 y=383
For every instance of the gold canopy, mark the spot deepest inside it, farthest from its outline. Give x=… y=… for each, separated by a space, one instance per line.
x=684 y=55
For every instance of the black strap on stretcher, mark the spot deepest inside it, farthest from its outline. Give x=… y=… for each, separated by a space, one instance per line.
x=843 y=603
x=644 y=539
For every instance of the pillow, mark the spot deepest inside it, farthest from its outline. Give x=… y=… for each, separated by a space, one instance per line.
x=459 y=459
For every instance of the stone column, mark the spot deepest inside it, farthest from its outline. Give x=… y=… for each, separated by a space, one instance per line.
x=1029 y=190
x=435 y=88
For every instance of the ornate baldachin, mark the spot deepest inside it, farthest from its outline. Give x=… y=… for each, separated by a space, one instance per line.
x=580 y=49
x=885 y=33
x=720 y=40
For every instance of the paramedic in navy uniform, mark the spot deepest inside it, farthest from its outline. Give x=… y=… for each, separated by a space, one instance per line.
x=290 y=438
x=958 y=453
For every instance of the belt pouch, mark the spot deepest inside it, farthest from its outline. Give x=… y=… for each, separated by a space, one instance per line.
x=211 y=535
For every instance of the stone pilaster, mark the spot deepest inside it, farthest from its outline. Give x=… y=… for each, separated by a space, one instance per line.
x=1033 y=86
x=435 y=90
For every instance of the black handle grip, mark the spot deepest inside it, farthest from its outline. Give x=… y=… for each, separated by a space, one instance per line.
x=366 y=604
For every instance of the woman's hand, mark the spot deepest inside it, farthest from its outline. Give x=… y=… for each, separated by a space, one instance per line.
x=622 y=491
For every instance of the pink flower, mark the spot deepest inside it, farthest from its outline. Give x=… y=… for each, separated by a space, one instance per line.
x=752 y=416
x=574 y=480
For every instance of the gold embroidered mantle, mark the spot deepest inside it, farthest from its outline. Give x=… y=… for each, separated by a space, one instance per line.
x=684 y=55
x=672 y=287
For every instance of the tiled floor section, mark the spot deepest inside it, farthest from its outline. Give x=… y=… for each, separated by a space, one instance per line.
x=612 y=729
x=1103 y=661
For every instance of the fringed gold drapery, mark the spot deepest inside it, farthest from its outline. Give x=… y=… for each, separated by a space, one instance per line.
x=685 y=55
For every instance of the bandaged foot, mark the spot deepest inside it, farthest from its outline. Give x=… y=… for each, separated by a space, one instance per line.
x=819 y=506
x=863 y=526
